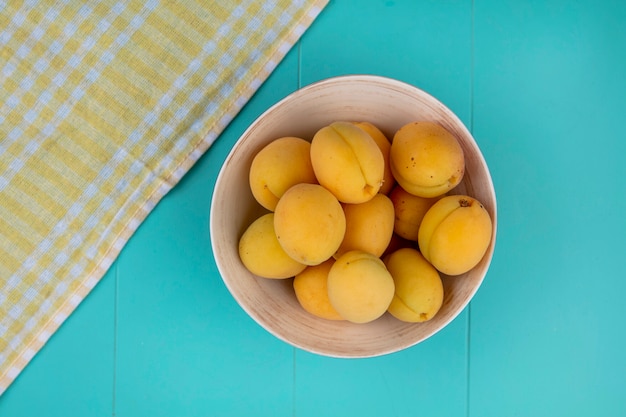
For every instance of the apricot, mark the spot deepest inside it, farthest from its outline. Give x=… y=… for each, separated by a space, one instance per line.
x=279 y=165
x=409 y=210
x=311 y=288
x=384 y=145
x=426 y=159
x=418 y=287
x=261 y=253
x=359 y=286
x=455 y=234
x=309 y=223
x=397 y=242
x=369 y=226
x=347 y=161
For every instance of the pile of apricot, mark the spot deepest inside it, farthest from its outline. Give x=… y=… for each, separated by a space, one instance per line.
x=362 y=224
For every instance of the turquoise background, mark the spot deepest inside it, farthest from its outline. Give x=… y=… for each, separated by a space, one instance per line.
x=542 y=86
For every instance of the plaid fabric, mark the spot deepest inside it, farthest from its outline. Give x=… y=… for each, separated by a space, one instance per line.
x=104 y=106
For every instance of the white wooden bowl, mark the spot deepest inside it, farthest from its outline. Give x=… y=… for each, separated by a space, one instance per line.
x=388 y=104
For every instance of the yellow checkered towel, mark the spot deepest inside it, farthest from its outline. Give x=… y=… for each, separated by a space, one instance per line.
x=104 y=106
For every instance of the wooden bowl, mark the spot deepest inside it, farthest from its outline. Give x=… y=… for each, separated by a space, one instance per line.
x=388 y=104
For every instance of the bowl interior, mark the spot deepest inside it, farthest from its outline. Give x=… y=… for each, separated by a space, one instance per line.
x=388 y=104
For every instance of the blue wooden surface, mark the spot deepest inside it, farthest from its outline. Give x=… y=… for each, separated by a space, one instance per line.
x=542 y=85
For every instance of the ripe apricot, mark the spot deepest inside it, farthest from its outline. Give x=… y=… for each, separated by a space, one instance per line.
x=398 y=242
x=261 y=253
x=384 y=145
x=426 y=159
x=418 y=287
x=347 y=161
x=455 y=234
x=369 y=226
x=309 y=223
x=409 y=210
x=311 y=288
x=279 y=165
x=359 y=287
